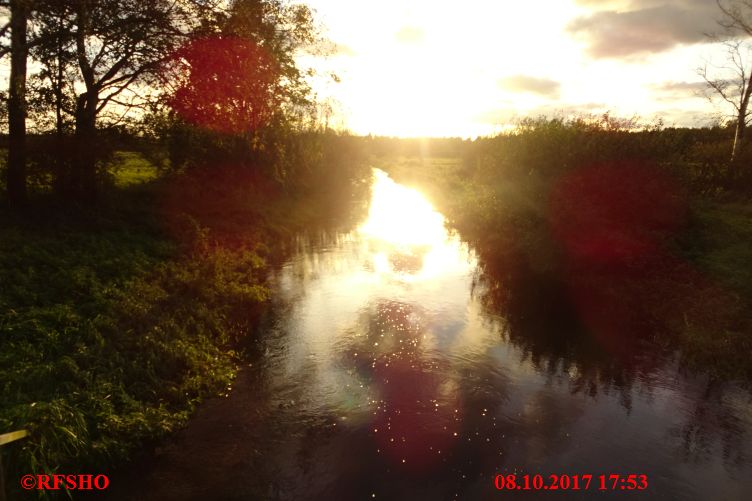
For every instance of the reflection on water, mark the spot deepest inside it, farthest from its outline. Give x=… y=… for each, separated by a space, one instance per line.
x=395 y=379
x=401 y=217
x=406 y=236
x=390 y=374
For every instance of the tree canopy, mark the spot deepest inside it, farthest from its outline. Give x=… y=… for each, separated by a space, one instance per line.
x=222 y=67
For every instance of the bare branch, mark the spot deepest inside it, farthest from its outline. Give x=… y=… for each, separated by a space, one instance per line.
x=719 y=87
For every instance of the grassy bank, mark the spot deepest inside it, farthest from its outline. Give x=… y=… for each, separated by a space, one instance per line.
x=627 y=232
x=117 y=322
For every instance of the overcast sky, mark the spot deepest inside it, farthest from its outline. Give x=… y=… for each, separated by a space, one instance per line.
x=434 y=67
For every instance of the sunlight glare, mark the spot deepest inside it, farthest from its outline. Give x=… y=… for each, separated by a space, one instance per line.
x=401 y=216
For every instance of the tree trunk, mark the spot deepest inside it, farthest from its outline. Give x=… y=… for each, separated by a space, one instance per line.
x=84 y=168
x=62 y=157
x=16 y=171
x=735 y=172
x=738 y=136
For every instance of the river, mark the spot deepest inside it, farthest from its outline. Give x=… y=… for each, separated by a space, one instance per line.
x=384 y=375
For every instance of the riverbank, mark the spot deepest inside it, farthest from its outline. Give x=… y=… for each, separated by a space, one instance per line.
x=690 y=286
x=387 y=373
x=117 y=322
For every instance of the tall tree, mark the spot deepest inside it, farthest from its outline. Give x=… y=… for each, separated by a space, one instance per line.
x=733 y=83
x=50 y=100
x=246 y=72
x=284 y=30
x=56 y=60
x=117 y=46
x=734 y=87
x=16 y=168
x=244 y=82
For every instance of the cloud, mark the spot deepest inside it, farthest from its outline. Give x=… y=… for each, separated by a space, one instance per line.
x=681 y=117
x=671 y=91
x=680 y=87
x=534 y=85
x=409 y=34
x=640 y=27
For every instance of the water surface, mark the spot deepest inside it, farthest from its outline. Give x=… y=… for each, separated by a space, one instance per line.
x=385 y=374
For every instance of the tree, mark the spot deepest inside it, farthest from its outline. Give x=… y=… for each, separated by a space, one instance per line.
x=117 y=46
x=736 y=91
x=284 y=30
x=50 y=88
x=225 y=84
x=16 y=169
x=238 y=92
x=244 y=75
x=734 y=86
x=99 y=60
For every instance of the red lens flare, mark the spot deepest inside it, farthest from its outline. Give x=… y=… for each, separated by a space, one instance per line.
x=613 y=215
x=613 y=222
x=226 y=85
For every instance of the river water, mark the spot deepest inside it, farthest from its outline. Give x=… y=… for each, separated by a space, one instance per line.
x=385 y=375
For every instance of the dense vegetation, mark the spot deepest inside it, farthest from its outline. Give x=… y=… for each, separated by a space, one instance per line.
x=140 y=218
x=624 y=231
x=116 y=322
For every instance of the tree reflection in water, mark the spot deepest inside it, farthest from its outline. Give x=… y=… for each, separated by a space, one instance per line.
x=617 y=349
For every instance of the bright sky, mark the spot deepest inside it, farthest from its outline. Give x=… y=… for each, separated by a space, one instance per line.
x=441 y=68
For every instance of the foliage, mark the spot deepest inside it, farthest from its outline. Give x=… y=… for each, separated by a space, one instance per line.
x=122 y=45
x=109 y=337
x=605 y=227
x=284 y=30
x=226 y=85
x=237 y=96
x=116 y=323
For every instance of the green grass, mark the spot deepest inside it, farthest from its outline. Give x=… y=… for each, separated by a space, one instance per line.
x=722 y=243
x=111 y=331
x=130 y=168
